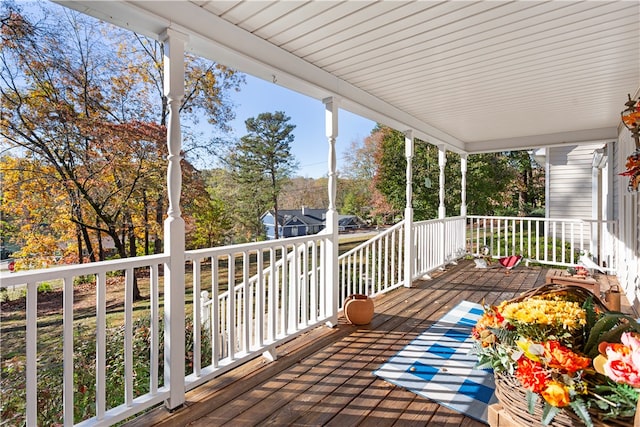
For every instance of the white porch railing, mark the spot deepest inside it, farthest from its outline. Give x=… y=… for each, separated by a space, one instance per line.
x=549 y=241
x=262 y=294
x=438 y=242
x=131 y=405
x=373 y=267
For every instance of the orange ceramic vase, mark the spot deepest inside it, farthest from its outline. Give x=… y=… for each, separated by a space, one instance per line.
x=358 y=309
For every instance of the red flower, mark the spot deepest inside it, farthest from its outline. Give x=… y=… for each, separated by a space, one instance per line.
x=531 y=375
x=561 y=357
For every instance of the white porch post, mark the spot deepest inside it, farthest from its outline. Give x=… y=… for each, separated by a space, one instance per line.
x=409 y=250
x=442 y=161
x=331 y=251
x=174 y=229
x=463 y=185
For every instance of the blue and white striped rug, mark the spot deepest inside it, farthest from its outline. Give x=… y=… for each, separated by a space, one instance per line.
x=439 y=365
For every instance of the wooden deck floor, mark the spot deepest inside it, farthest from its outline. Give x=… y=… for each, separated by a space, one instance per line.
x=325 y=377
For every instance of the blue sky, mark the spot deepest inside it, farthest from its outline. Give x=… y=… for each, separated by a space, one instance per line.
x=310 y=146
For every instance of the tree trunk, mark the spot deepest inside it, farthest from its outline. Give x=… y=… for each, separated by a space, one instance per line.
x=145 y=214
x=158 y=244
x=100 y=246
x=79 y=239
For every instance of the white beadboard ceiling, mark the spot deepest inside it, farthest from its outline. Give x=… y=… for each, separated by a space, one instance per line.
x=471 y=75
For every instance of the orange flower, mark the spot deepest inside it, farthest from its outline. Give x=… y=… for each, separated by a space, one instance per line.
x=561 y=357
x=531 y=375
x=556 y=394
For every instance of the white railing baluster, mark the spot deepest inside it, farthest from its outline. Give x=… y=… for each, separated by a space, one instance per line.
x=231 y=307
x=285 y=291
x=128 y=336
x=101 y=346
x=216 y=339
x=304 y=288
x=32 y=354
x=394 y=275
x=67 y=350
x=197 y=318
x=529 y=239
x=260 y=303
x=294 y=292
x=155 y=328
x=513 y=237
x=246 y=303
x=314 y=282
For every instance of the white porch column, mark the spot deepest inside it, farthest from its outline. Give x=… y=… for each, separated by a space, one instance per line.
x=174 y=229
x=331 y=258
x=463 y=185
x=442 y=161
x=409 y=250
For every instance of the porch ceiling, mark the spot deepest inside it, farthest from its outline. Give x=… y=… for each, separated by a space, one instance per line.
x=474 y=76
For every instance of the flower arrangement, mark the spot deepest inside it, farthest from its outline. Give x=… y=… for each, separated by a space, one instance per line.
x=566 y=350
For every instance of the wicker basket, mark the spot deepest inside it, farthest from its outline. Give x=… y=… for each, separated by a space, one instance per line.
x=512 y=397
x=558 y=288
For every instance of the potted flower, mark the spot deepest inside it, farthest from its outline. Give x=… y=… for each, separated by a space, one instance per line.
x=542 y=347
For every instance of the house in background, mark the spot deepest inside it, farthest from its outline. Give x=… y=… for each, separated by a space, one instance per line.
x=304 y=222
x=294 y=222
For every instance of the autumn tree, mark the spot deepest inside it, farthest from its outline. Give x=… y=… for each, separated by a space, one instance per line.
x=31 y=208
x=88 y=102
x=300 y=191
x=205 y=86
x=355 y=186
x=261 y=163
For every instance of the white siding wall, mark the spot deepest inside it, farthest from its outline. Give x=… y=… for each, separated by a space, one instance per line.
x=570 y=192
x=628 y=209
x=570 y=181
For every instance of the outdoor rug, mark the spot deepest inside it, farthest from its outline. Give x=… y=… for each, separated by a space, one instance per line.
x=439 y=365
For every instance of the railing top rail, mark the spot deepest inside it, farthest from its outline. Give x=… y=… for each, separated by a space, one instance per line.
x=44 y=274
x=533 y=218
x=436 y=220
x=252 y=246
x=373 y=239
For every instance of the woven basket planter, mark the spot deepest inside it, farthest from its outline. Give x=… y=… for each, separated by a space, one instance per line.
x=513 y=398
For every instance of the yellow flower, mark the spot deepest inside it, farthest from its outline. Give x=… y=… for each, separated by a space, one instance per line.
x=567 y=314
x=556 y=394
x=531 y=350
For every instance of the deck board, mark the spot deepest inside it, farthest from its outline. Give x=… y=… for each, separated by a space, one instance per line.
x=325 y=376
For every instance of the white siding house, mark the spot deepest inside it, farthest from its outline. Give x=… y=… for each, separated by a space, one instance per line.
x=569 y=181
x=578 y=187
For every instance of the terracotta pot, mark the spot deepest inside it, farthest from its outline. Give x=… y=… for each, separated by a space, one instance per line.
x=358 y=309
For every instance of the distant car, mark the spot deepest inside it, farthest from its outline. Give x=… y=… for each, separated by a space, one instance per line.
x=8 y=264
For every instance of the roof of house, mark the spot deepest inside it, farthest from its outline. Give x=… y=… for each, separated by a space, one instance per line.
x=311 y=216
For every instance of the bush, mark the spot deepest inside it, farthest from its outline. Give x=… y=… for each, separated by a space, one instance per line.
x=44 y=287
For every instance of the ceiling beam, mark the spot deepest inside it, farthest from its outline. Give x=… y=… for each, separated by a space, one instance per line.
x=579 y=137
